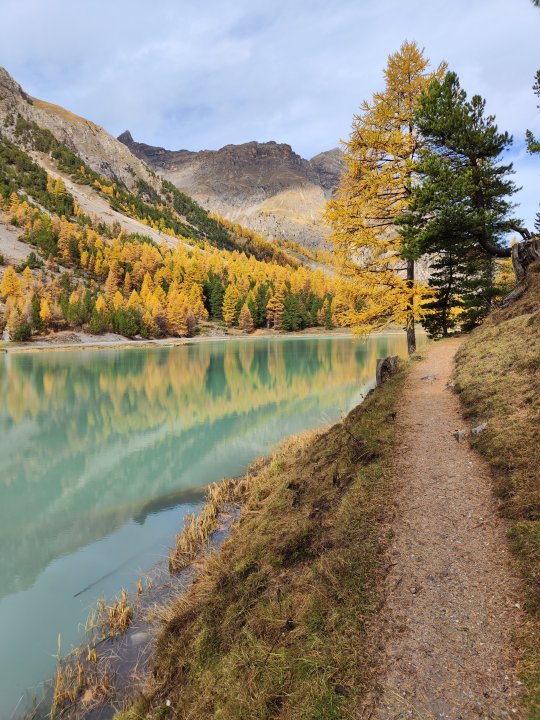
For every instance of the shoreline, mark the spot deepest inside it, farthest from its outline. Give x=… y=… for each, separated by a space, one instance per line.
x=85 y=342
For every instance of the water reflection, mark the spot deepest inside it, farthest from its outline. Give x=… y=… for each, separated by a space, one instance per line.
x=89 y=439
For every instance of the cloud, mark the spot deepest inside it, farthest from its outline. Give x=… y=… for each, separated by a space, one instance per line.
x=201 y=75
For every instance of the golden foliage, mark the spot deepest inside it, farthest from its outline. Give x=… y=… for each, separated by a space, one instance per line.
x=380 y=158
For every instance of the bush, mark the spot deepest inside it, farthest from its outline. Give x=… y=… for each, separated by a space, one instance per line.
x=33 y=262
x=127 y=322
x=22 y=333
x=43 y=237
x=99 y=322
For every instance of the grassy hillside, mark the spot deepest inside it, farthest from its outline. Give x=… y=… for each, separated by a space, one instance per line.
x=498 y=378
x=276 y=624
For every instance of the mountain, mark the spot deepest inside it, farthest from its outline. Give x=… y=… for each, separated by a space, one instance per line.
x=264 y=186
x=101 y=180
x=100 y=150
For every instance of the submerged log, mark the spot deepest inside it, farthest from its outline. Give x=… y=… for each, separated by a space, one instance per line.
x=385 y=368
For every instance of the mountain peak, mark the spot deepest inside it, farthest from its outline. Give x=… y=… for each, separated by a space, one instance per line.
x=126 y=137
x=10 y=86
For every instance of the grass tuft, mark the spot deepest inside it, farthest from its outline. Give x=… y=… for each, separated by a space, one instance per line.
x=197 y=529
x=78 y=678
x=111 y=620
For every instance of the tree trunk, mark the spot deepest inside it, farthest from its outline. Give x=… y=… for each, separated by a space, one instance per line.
x=411 y=332
x=523 y=255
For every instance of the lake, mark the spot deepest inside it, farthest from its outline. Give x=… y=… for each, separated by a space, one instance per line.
x=103 y=452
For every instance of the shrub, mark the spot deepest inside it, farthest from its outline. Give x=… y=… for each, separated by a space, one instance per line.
x=33 y=262
x=22 y=333
x=127 y=322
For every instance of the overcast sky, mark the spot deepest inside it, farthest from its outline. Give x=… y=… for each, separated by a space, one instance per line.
x=186 y=74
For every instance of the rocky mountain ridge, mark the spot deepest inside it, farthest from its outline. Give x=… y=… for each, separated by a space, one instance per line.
x=265 y=186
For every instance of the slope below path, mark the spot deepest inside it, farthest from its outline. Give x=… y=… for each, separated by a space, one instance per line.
x=451 y=596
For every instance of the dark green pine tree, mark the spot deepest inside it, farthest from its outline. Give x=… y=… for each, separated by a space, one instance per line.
x=295 y=315
x=213 y=296
x=446 y=277
x=257 y=305
x=460 y=211
x=37 y=322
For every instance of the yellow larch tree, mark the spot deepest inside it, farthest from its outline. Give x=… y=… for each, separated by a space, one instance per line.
x=45 y=312
x=127 y=284
x=380 y=158
x=11 y=285
x=147 y=287
x=245 y=320
x=177 y=313
x=230 y=300
x=101 y=305
x=27 y=280
x=59 y=187
x=276 y=308
x=118 y=300
x=111 y=283
x=134 y=301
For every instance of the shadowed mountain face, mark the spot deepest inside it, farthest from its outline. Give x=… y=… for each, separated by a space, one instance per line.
x=266 y=186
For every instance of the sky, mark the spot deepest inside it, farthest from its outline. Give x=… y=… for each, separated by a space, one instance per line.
x=200 y=75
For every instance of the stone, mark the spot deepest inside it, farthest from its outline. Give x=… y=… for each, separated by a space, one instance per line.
x=479 y=428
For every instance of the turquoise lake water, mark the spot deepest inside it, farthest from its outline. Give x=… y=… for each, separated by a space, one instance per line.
x=102 y=453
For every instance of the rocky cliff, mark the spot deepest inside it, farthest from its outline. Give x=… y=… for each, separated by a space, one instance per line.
x=265 y=186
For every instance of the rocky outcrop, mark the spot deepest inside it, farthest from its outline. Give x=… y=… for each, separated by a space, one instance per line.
x=265 y=186
x=328 y=167
x=100 y=150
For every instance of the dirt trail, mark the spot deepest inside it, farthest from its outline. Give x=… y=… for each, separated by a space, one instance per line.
x=452 y=600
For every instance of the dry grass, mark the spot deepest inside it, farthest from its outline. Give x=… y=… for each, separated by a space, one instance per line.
x=81 y=682
x=78 y=679
x=275 y=625
x=57 y=110
x=198 y=529
x=111 y=620
x=498 y=378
